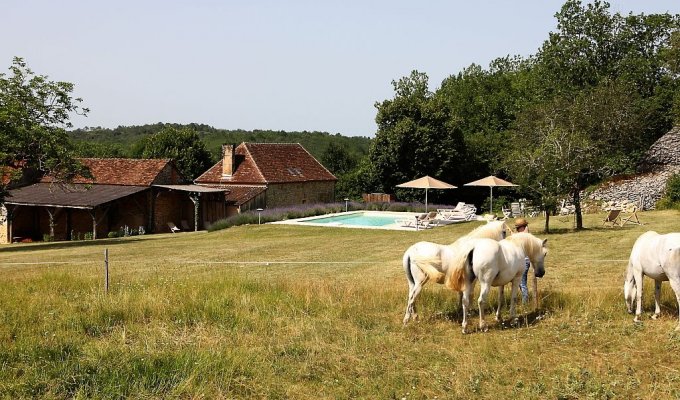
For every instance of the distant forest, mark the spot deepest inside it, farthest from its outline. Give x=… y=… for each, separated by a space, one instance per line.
x=124 y=141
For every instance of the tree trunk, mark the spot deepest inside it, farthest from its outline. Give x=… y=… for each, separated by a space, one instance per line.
x=547 y=221
x=576 y=198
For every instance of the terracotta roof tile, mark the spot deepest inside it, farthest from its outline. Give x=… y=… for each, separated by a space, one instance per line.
x=126 y=171
x=262 y=163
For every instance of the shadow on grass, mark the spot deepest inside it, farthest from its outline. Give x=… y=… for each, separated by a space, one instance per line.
x=20 y=247
x=551 y=301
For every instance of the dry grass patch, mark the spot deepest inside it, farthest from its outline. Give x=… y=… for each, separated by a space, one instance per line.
x=203 y=315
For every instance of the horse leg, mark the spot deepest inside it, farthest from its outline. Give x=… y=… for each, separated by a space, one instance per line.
x=637 y=275
x=501 y=298
x=483 y=293
x=513 y=300
x=419 y=279
x=465 y=301
x=675 y=284
x=460 y=299
x=657 y=294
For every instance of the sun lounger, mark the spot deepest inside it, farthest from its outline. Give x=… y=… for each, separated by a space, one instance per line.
x=173 y=227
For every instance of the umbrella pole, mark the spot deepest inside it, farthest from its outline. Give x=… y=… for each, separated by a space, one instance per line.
x=425 y=199
x=491 y=201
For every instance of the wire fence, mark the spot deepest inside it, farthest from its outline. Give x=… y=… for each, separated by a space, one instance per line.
x=265 y=263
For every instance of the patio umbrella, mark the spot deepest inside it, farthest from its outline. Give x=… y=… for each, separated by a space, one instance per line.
x=426 y=182
x=490 y=181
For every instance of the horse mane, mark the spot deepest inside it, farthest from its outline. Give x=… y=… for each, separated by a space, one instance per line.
x=528 y=242
x=490 y=230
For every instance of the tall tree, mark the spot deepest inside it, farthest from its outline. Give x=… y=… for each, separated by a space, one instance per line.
x=182 y=145
x=415 y=136
x=34 y=115
x=561 y=146
x=483 y=104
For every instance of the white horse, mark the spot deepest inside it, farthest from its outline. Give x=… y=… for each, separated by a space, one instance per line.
x=491 y=262
x=496 y=264
x=418 y=273
x=658 y=257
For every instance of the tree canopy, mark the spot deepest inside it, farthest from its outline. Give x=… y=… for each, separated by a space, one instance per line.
x=599 y=91
x=34 y=115
x=182 y=145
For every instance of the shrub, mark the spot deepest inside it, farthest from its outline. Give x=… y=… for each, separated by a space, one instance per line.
x=671 y=198
x=113 y=234
x=47 y=237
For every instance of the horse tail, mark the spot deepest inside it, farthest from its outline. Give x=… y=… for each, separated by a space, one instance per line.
x=459 y=271
x=431 y=266
x=468 y=265
x=406 y=263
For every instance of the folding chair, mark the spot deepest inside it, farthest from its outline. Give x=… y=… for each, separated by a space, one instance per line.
x=613 y=218
x=632 y=218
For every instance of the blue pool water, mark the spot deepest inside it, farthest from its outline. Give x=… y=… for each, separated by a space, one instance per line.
x=357 y=219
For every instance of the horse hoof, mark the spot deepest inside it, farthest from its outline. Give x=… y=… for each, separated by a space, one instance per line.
x=655 y=316
x=637 y=320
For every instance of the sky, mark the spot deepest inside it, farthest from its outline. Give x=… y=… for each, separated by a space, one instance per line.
x=290 y=65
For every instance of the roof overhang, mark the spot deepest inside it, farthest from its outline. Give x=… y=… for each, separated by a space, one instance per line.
x=81 y=196
x=192 y=188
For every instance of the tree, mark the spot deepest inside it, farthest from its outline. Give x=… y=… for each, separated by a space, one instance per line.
x=483 y=103
x=337 y=159
x=561 y=146
x=183 y=145
x=34 y=115
x=414 y=137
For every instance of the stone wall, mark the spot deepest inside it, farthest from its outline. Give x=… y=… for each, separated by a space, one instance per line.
x=661 y=161
x=644 y=189
x=288 y=194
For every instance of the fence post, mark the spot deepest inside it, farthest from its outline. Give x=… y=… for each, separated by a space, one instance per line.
x=106 y=270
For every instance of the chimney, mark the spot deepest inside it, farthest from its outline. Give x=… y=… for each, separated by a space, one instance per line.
x=228 y=159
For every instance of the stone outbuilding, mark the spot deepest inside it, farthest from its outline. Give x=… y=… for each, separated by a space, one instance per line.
x=268 y=175
x=140 y=195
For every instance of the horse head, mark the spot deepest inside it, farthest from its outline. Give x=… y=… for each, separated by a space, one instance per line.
x=629 y=289
x=539 y=268
x=534 y=248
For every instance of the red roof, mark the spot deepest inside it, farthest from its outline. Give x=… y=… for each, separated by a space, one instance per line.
x=128 y=171
x=8 y=172
x=263 y=163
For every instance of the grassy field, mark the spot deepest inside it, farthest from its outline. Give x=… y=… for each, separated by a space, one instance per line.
x=277 y=311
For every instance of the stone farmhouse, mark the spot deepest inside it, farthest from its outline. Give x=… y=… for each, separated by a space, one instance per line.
x=149 y=194
x=269 y=175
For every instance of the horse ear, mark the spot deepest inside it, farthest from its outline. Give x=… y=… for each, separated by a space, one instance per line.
x=544 y=242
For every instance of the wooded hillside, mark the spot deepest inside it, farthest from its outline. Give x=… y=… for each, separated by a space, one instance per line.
x=121 y=141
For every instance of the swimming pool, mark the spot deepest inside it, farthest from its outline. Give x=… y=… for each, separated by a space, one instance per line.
x=358 y=219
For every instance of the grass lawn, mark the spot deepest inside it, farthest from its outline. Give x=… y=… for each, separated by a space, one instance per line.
x=280 y=311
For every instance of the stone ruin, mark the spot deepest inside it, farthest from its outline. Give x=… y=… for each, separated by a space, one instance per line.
x=645 y=188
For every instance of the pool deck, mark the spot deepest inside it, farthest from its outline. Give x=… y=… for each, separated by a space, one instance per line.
x=308 y=221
